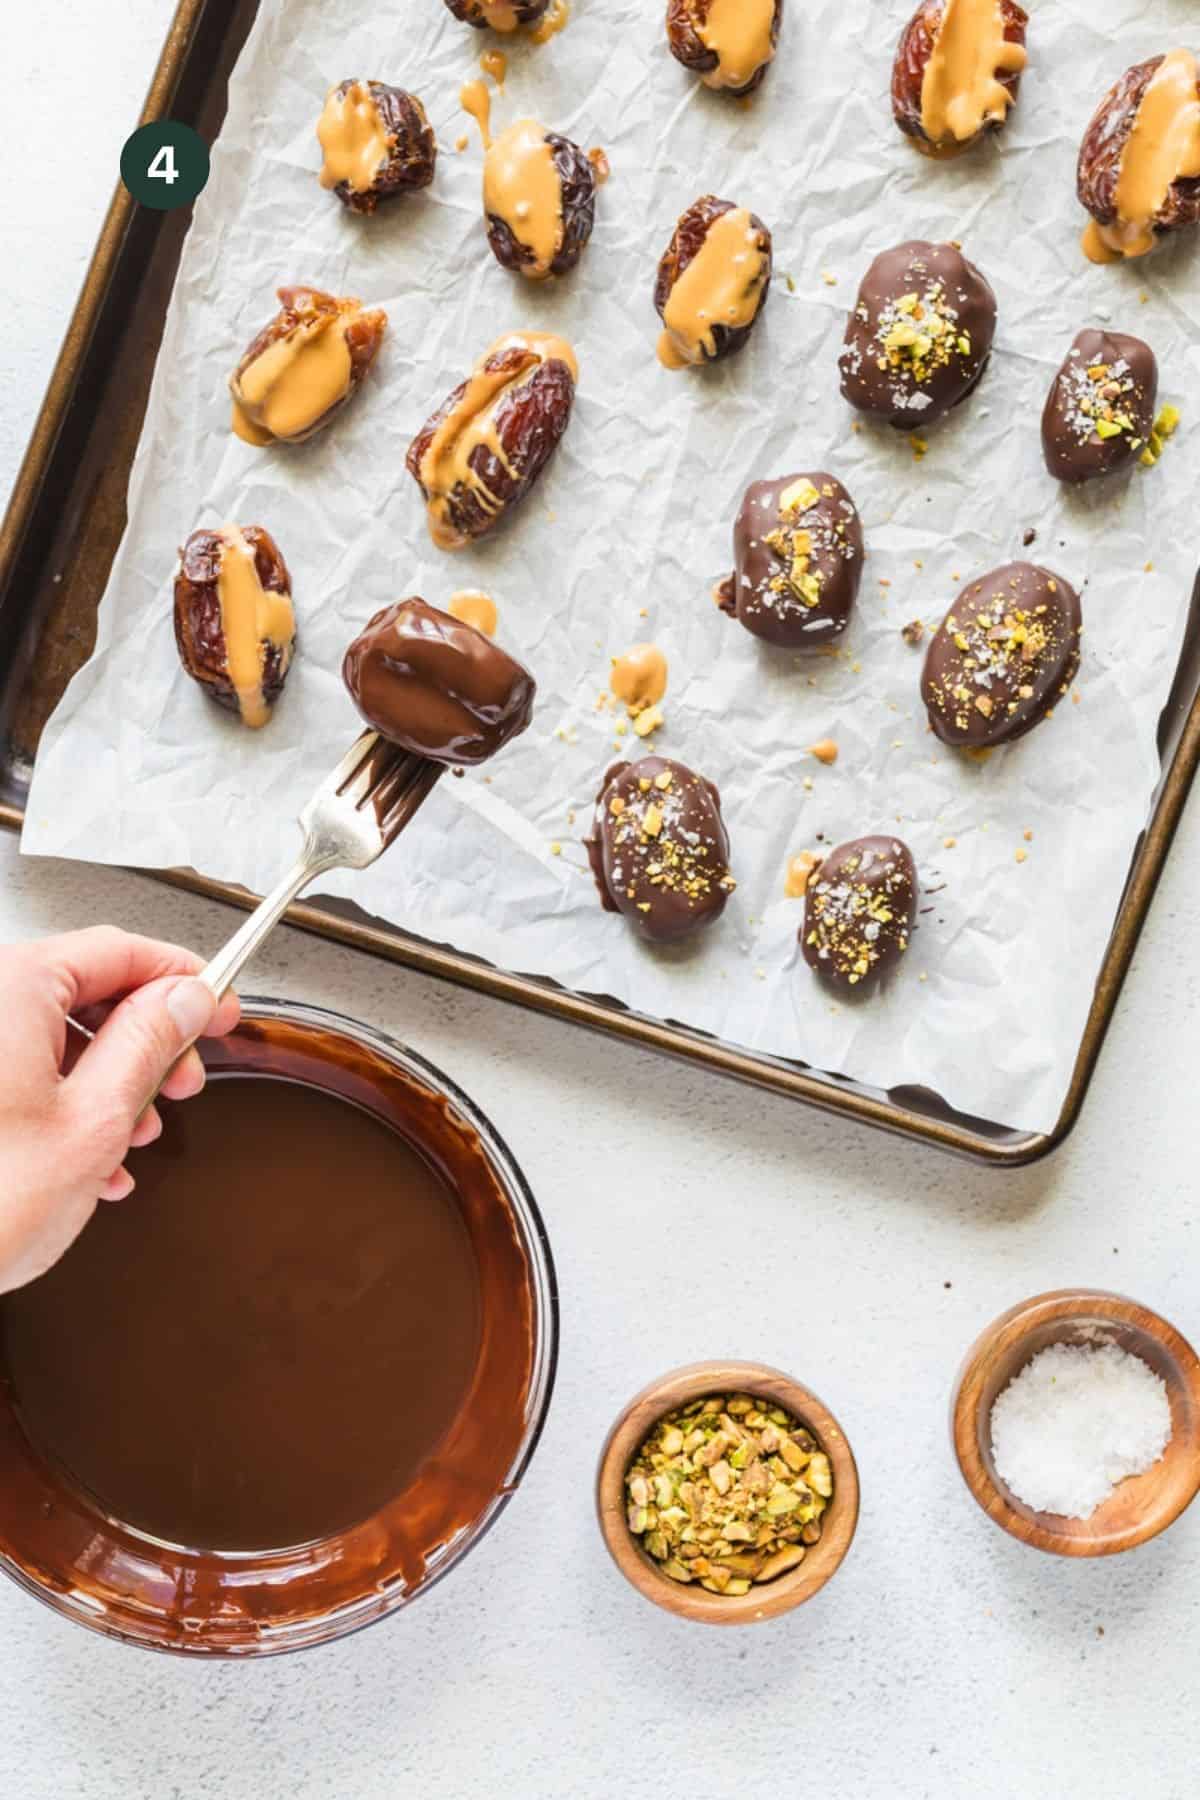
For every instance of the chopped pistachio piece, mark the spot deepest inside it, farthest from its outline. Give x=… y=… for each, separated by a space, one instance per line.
x=728 y=1492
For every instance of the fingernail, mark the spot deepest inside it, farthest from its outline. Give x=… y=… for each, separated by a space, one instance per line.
x=191 y=1005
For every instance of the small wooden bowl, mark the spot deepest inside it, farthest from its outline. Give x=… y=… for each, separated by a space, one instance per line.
x=694 y=1602
x=1140 y=1507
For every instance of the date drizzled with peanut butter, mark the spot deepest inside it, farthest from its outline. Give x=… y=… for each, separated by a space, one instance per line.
x=1163 y=147
x=288 y=389
x=961 y=91
x=352 y=137
x=739 y=34
x=446 y=465
x=502 y=15
x=294 y=383
x=522 y=182
x=722 y=285
x=254 y=619
x=522 y=186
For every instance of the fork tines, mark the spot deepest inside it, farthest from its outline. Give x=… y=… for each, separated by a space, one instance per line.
x=390 y=781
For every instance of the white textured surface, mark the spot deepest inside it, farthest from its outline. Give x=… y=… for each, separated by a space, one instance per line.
x=944 y=1661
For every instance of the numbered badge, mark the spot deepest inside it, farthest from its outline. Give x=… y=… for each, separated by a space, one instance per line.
x=164 y=164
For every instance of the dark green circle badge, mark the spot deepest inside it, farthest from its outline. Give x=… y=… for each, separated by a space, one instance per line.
x=164 y=164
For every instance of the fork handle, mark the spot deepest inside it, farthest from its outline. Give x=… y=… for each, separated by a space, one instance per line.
x=227 y=964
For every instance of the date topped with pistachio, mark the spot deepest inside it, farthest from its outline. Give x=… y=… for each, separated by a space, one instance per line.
x=1100 y=413
x=1003 y=656
x=727 y=1492
x=920 y=336
x=798 y=556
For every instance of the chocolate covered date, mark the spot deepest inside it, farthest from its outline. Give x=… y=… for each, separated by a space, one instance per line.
x=958 y=71
x=478 y=456
x=860 y=906
x=1004 y=655
x=1100 y=409
x=1139 y=164
x=919 y=337
x=234 y=624
x=376 y=141
x=798 y=557
x=303 y=366
x=499 y=15
x=436 y=685
x=539 y=198
x=729 y=43
x=659 y=850
x=713 y=281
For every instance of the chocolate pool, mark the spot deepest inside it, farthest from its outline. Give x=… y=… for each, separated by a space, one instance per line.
x=287 y=1384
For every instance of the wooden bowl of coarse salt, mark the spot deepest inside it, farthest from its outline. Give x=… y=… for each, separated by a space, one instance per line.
x=1076 y=1422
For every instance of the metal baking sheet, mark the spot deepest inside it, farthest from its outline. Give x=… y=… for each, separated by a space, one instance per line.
x=64 y=524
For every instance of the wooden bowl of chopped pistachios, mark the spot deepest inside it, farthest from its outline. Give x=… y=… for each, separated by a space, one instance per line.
x=727 y=1493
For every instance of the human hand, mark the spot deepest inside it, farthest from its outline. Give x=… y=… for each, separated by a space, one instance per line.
x=68 y=1117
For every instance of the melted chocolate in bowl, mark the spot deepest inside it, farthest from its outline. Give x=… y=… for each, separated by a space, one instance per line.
x=288 y=1382
x=249 y=1370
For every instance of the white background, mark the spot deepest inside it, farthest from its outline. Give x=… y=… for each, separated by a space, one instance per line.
x=944 y=1660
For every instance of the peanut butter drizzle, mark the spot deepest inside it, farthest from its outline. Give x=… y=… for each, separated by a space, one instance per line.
x=720 y=286
x=961 y=91
x=1162 y=148
x=501 y=15
x=476 y=608
x=294 y=382
x=639 y=678
x=551 y=22
x=350 y=132
x=601 y=169
x=475 y=98
x=800 y=872
x=446 y=462
x=739 y=34
x=252 y=617
x=521 y=185
x=495 y=64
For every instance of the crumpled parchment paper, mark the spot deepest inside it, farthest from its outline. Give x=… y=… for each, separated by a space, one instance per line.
x=627 y=533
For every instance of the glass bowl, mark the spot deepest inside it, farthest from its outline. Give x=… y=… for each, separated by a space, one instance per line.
x=58 y=1543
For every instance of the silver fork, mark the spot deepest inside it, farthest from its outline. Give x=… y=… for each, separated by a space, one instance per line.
x=351 y=819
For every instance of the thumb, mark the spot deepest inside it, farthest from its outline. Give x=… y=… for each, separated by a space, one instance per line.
x=125 y=1063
